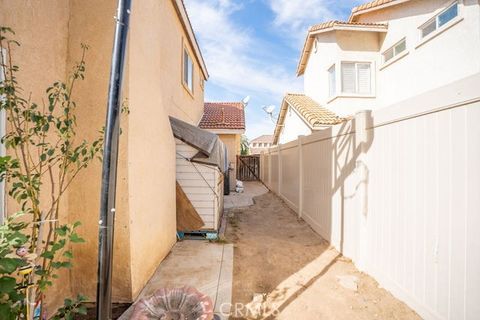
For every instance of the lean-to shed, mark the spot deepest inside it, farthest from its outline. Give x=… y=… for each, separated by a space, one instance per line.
x=200 y=167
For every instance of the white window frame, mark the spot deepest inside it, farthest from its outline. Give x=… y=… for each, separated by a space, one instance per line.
x=356 y=92
x=394 y=51
x=187 y=74
x=439 y=29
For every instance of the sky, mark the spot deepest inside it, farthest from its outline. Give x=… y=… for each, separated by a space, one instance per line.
x=252 y=47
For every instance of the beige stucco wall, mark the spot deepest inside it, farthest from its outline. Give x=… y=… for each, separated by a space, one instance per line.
x=232 y=142
x=42 y=60
x=91 y=23
x=145 y=221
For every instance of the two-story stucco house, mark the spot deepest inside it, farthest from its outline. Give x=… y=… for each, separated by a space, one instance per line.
x=389 y=51
x=260 y=144
x=164 y=76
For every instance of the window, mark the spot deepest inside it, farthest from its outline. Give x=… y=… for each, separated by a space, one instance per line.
x=439 y=20
x=332 y=81
x=356 y=77
x=398 y=48
x=187 y=71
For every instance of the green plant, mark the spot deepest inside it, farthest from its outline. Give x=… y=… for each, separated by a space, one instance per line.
x=71 y=308
x=44 y=156
x=244 y=145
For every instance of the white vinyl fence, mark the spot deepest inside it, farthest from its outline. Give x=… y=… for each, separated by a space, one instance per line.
x=397 y=191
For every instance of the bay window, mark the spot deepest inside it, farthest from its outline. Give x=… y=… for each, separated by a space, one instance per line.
x=332 y=82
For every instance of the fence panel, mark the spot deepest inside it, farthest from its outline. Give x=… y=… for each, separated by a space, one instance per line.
x=397 y=191
x=290 y=175
x=274 y=171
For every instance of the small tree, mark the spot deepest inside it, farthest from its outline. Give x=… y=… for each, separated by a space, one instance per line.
x=244 y=145
x=44 y=156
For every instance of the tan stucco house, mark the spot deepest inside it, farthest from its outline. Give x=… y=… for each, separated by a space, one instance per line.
x=165 y=75
x=260 y=144
x=388 y=51
x=227 y=120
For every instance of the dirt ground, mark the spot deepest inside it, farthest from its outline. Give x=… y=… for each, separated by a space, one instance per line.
x=279 y=258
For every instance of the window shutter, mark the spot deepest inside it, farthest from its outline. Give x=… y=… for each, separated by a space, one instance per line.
x=364 y=77
x=348 y=77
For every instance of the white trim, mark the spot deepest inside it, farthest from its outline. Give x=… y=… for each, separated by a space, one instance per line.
x=350 y=28
x=190 y=63
x=351 y=95
x=225 y=131
x=383 y=6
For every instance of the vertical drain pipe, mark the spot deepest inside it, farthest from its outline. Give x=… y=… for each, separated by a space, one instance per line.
x=109 y=169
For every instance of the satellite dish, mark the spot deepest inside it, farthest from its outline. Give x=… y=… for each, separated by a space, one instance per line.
x=269 y=109
x=246 y=100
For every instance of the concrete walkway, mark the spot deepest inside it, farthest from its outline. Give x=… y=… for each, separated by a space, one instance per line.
x=244 y=199
x=201 y=264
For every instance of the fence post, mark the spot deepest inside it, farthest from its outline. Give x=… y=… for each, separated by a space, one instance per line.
x=361 y=166
x=300 y=176
x=279 y=170
x=269 y=159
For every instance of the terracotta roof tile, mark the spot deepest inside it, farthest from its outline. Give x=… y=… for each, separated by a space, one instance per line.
x=371 y=4
x=334 y=23
x=223 y=115
x=312 y=113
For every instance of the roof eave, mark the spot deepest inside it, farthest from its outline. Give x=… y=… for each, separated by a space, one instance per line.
x=280 y=121
x=185 y=20
x=226 y=130
x=310 y=36
x=354 y=15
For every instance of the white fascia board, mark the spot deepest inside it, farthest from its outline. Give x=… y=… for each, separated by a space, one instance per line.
x=226 y=131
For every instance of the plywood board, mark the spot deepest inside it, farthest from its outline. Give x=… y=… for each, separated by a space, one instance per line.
x=188 y=218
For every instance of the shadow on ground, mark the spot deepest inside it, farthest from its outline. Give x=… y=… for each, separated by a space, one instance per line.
x=284 y=270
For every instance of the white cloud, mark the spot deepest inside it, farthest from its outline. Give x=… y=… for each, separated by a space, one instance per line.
x=229 y=51
x=298 y=15
x=294 y=17
x=236 y=68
